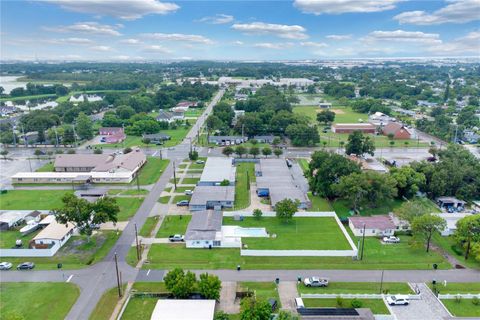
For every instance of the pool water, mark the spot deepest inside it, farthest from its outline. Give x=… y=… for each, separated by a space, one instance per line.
x=250 y=232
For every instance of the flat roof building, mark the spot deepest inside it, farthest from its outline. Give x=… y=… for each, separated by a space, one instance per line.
x=167 y=309
x=55 y=234
x=351 y=127
x=204 y=229
x=212 y=197
x=217 y=170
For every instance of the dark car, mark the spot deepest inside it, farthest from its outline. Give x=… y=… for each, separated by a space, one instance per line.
x=183 y=203
x=26 y=266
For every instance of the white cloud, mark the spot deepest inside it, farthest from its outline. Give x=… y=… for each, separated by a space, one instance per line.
x=275 y=46
x=218 y=19
x=123 y=9
x=457 y=11
x=339 y=37
x=237 y=43
x=101 y=48
x=77 y=41
x=403 y=36
x=156 y=49
x=466 y=44
x=191 y=38
x=130 y=41
x=318 y=7
x=313 y=44
x=279 y=30
x=88 y=28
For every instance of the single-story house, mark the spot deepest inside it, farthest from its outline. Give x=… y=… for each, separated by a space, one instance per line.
x=216 y=171
x=351 y=127
x=186 y=104
x=55 y=234
x=168 y=309
x=241 y=96
x=212 y=197
x=264 y=139
x=92 y=195
x=451 y=219
x=375 y=226
x=112 y=134
x=470 y=137
x=398 y=130
x=227 y=140
x=450 y=202
x=324 y=105
x=157 y=138
x=204 y=229
x=9 y=218
x=167 y=116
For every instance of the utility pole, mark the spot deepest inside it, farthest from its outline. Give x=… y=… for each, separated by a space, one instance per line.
x=161 y=158
x=118 y=277
x=74 y=135
x=381 y=282
x=136 y=241
x=174 y=176
x=363 y=242
x=24 y=138
x=14 y=138
x=56 y=136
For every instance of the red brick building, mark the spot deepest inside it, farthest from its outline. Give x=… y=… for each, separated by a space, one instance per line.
x=398 y=131
x=351 y=127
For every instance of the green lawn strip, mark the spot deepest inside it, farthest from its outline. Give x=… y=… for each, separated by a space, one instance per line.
x=359 y=288
x=148 y=226
x=76 y=253
x=131 y=257
x=319 y=203
x=135 y=192
x=152 y=170
x=457 y=287
x=128 y=207
x=182 y=166
x=173 y=225
x=32 y=97
x=303 y=164
x=164 y=199
x=377 y=306
x=244 y=175
x=462 y=308
x=194 y=171
x=172 y=181
x=190 y=180
x=32 y=199
x=180 y=198
x=9 y=237
x=342 y=208
x=141 y=307
x=263 y=290
x=316 y=233
x=47 y=300
x=48 y=167
x=107 y=303
x=450 y=245
x=182 y=189
x=194 y=165
x=168 y=189
x=344 y=114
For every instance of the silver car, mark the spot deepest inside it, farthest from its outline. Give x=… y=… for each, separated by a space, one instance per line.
x=5 y=265
x=315 y=282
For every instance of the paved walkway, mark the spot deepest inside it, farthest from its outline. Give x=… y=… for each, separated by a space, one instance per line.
x=227 y=298
x=255 y=202
x=427 y=308
x=287 y=291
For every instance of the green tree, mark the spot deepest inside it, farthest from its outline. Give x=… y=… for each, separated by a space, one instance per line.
x=68 y=135
x=408 y=181
x=4 y=154
x=127 y=150
x=254 y=151
x=209 y=286
x=228 y=151
x=426 y=225
x=179 y=283
x=38 y=153
x=220 y=315
x=353 y=188
x=98 y=151
x=84 y=126
x=409 y=210
x=468 y=232
x=286 y=208
x=146 y=141
x=252 y=309
x=193 y=155
x=124 y=112
x=257 y=213
x=240 y=151
x=253 y=141
x=266 y=151
x=303 y=135
x=359 y=144
x=276 y=141
x=285 y=315
x=277 y=152
x=325 y=116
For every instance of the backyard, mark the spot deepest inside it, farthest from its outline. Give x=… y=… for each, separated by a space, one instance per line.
x=9 y=237
x=28 y=300
x=263 y=290
x=244 y=176
x=173 y=225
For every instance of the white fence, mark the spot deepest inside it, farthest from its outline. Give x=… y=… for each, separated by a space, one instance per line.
x=302 y=214
x=299 y=253
x=459 y=295
x=30 y=252
x=351 y=296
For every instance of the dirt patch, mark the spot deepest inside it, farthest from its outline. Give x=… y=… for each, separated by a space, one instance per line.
x=338 y=111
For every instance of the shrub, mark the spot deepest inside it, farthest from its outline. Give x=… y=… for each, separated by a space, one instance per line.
x=475 y=301
x=458 y=299
x=339 y=301
x=257 y=213
x=356 y=303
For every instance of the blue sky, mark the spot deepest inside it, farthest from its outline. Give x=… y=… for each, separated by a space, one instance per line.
x=128 y=30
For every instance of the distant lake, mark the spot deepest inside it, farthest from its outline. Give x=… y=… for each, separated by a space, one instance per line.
x=11 y=82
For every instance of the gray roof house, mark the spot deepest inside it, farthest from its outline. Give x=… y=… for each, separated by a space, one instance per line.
x=264 y=139
x=167 y=116
x=204 y=230
x=216 y=170
x=227 y=139
x=157 y=138
x=212 y=197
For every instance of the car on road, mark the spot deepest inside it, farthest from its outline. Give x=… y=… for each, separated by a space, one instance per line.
x=26 y=266
x=199 y=162
x=188 y=192
x=397 y=300
x=183 y=203
x=5 y=266
x=391 y=239
x=176 y=238
x=315 y=282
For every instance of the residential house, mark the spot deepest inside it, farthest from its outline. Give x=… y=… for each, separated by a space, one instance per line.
x=450 y=203
x=112 y=134
x=240 y=96
x=54 y=235
x=204 y=230
x=470 y=136
x=10 y=218
x=375 y=226
x=167 y=116
x=324 y=105
x=157 y=138
x=216 y=171
x=227 y=140
x=351 y=127
x=398 y=130
x=212 y=197
x=92 y=195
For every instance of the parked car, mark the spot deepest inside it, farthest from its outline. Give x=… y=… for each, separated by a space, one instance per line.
x=5 y=266
x=397 y=300
x=176 y=238
x=188 y=192
x=199 y=162
x=315 y=282
x=183 y=203
x=26 y=266
x=391 y=239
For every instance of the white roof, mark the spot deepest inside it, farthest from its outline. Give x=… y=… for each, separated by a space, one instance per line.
x=12 y=217
x=452 y=219
x=54 y=231
x=218 y=169
x=70 y=175
x=167 y=309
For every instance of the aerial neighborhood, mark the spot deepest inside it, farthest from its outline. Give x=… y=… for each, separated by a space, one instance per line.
x=207 y=161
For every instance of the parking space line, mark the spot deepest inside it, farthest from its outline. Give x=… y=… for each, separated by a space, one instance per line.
x=69 y=278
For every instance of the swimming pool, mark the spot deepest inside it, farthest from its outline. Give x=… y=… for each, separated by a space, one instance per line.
x=250 y=232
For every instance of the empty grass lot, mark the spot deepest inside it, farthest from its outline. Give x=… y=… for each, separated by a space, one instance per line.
x=142 y=307
x=450 y=245
x=164 y=199
x=342 y=208
x=376 y=305
x=319 y=203
x=46 y=300
x=344 y=115
x=128 y=207
x=462 y=308
x=244 y=176
x=48 y=167
x=263 y=290
x=299 y=234
x=152 y=170
x=173 y=225
x=358 y=287
x=180 y=198
x=32 y=199
x=105 y=306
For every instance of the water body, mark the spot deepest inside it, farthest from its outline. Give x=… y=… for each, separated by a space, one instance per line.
x=33 y=105
x=11 y=82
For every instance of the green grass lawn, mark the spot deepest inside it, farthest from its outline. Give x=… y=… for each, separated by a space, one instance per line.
x=244 y=176
x=457 y=287
x=182 y=189
x=148 y=226
x=345 y=115
x=464 y=308
x=47 y=300
x=359 y=287
x=342 y=208
x=32 y=199
x=451 y=246
x=32 y=97
x=142 y=307
x=300 y=233
x=152 y=170
x=319 y=203
x=128 y=192
x=377 y=306
x=263 y=290
x=303 y=164
x=105 y=306
x=164 y=199
x=48 y=167
x=190 y=180
x=173 y=225
x=76 y=253
x=194 y=112
x=180 y=198
x=9 y=237
x=128 y=207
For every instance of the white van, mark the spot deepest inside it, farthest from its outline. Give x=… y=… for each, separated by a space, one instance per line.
x=299 y=303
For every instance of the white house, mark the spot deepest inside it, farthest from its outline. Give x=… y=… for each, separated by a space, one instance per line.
x=375 y=226
x=54 y=235
x=204 y=230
